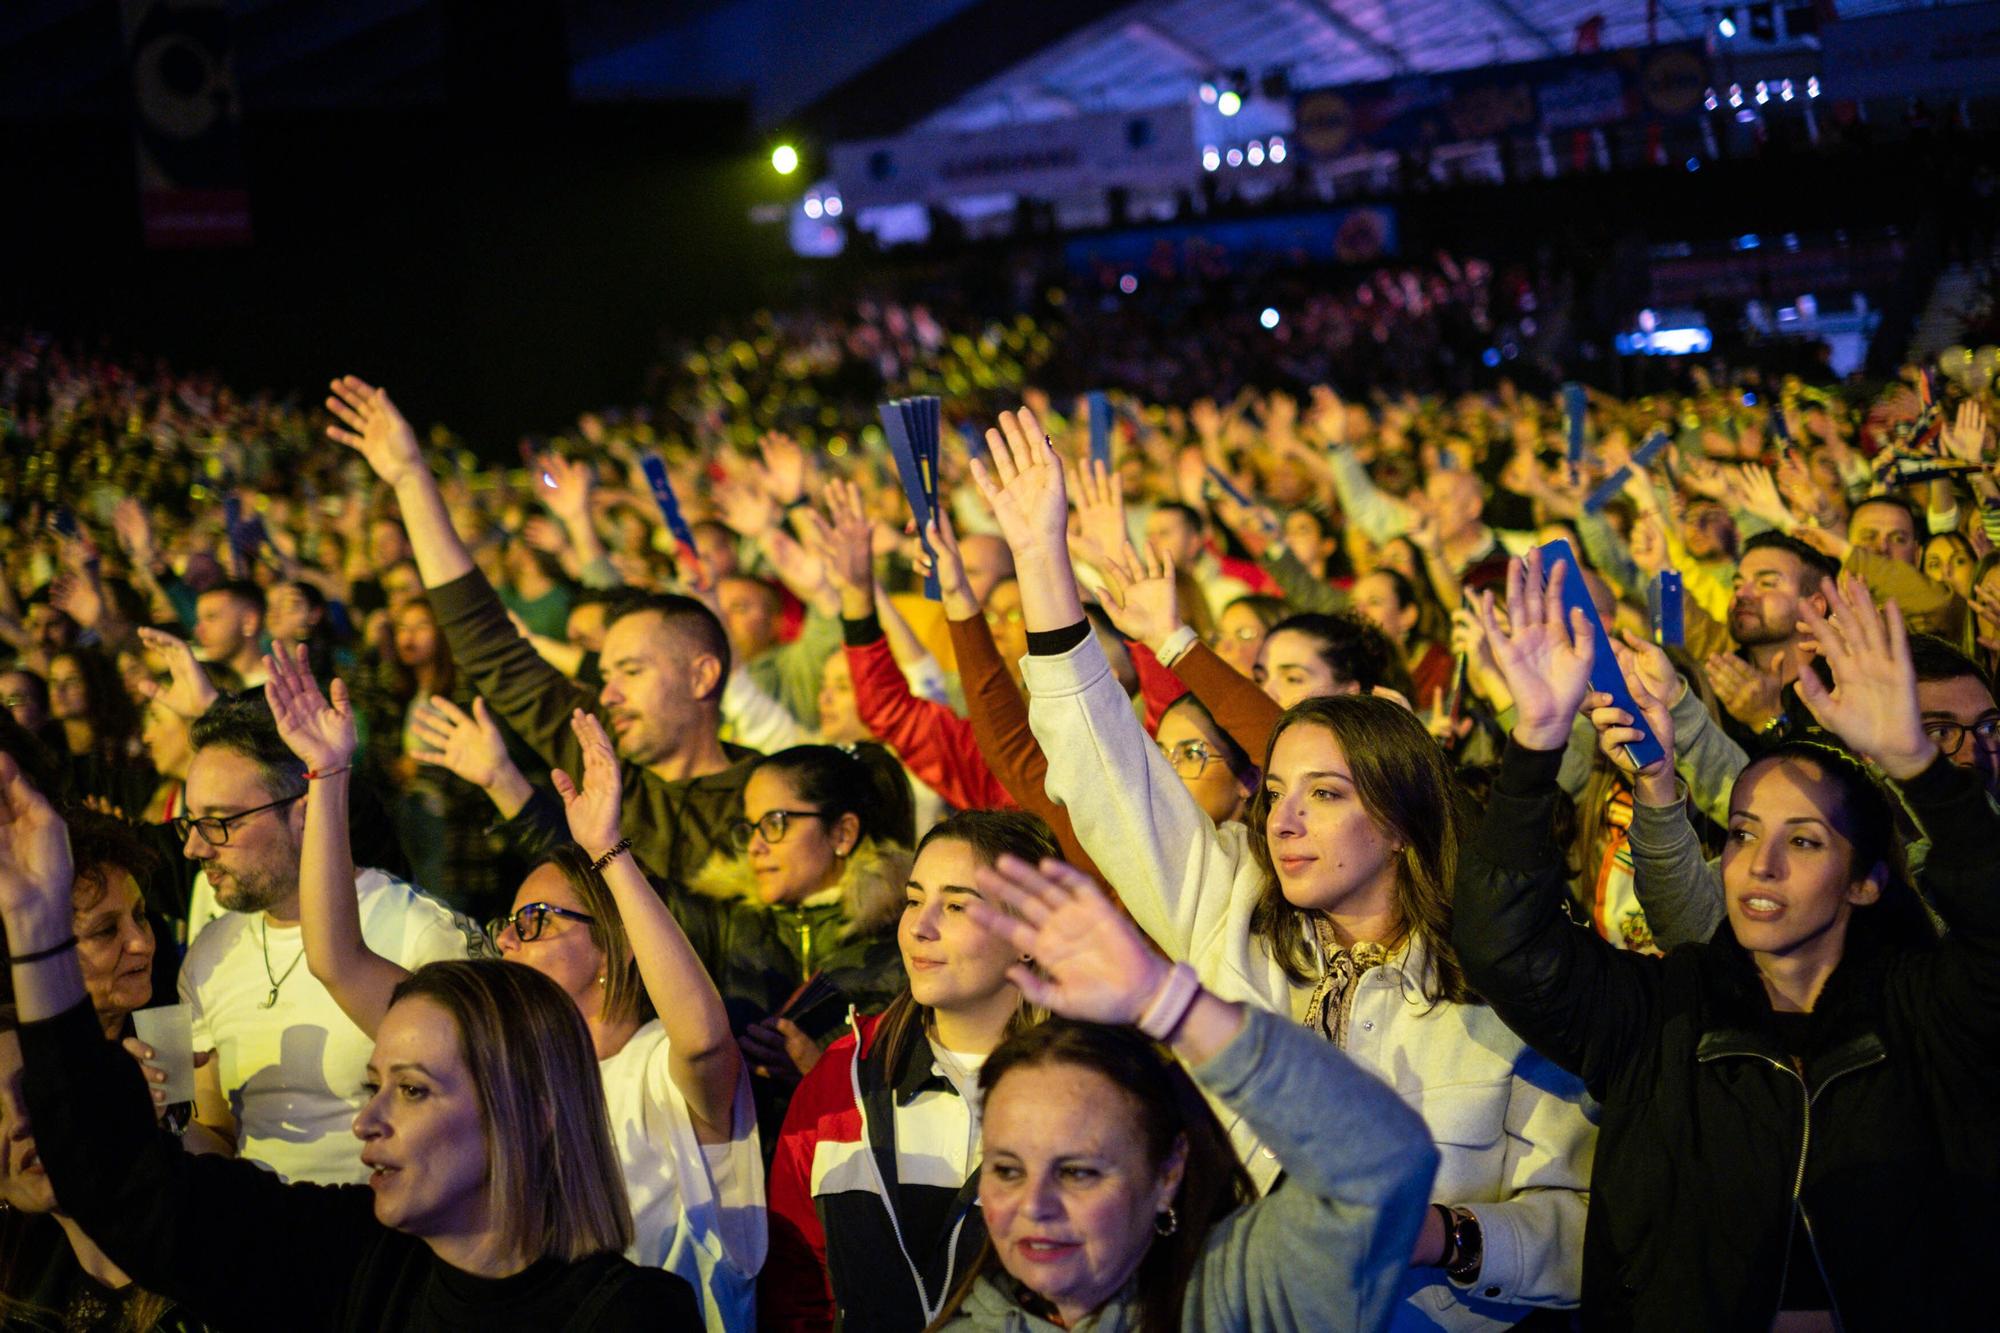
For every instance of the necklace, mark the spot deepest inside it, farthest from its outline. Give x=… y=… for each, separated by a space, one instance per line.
x=264 y=937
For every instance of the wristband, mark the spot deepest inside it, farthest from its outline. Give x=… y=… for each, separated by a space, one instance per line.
x=1176 y=645
x=39 y=954
x=312 y=776
x=622 y=845
x=1176 y=996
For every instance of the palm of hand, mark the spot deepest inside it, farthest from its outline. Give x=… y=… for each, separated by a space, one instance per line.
x=1031 y=510
x=1543 y=670
x=320 y=734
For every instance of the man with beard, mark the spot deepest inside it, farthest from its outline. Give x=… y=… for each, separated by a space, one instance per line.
x=285 y=1066
x=1776 y=576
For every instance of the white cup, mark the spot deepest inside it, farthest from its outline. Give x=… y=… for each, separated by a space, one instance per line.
x=169 y=1030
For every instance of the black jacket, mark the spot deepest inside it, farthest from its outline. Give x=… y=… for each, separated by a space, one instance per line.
x=297 y=1256
x=1715 y=1144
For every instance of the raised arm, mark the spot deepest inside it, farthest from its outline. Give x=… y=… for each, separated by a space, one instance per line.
x=703 y=1058
x=321 y=734
x=370 y=424
x=1359 y=1162
x=1569 y=993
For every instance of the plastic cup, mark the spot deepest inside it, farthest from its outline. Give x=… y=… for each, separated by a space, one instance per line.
x=169 y=1030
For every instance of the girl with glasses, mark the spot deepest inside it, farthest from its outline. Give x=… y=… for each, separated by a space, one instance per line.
x=680 y=1114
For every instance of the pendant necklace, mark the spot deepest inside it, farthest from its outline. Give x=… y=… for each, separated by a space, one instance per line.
x=271 y=1000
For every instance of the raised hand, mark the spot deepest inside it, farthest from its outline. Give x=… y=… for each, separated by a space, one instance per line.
x=747 y=511
x=1873 y=703
x=1022 y=482
x=845 y=539
x=1616 y=728
x=1753 y=697
x=134 y=530
x=593 y=808
x=1100 y=508
x=1482 y=674
x=1756 y=493
x=1256 y=527
x=320 y=732
x=1967 y=437
x=189 y=692
x=373 y=428
x=35 y=869
x=954 y=589
x=784 y=468
x=1648 y=544
x=1140 y=595
x=566 y=486
x=1544 y=657
x=1824 y=540
x=470 y=746
x=1090 y=961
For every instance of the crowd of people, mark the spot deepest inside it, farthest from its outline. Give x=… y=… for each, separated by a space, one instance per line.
x=1251 y=894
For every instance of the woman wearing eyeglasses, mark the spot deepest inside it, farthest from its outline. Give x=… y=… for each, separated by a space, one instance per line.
x=590 y=921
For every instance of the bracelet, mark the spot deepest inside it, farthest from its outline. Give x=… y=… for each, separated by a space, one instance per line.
x=623 y=845
x=1176 y=645
x=1176 y=996
x=312 y=776
x=1468 y=1247
x=1450 y=1251
x=39 y=954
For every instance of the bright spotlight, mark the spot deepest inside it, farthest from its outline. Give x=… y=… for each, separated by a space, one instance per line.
x=1812 y=86
x=1210 y=159
x=784 y=159
x=1269 y=319
x=1254 y=154
x=1128 y=284
x=814 y=208
x=1726 y=26
x=834 y=206
x=1277 y=150
x=1234 y=157
x=1208 y=92
x=1229 y=102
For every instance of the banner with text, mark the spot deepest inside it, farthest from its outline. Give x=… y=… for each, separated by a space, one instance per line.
x=1046 y=160
x=1582 y=92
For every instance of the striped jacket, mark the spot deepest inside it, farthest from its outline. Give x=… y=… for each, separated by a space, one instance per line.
x=873 y=1191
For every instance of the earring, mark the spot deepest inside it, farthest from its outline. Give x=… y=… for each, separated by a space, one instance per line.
x=603 y=978
x=1028 y=958
x=1167 y=1223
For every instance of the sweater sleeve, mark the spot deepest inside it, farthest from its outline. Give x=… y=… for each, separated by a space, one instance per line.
x=1335 y=1241
x=293 y=1249
x=755 y=719
x=1378 y=516
x=933 y=742
x=1705 y=757
x=1239 y=707
x=794 y=1294
x=1677 y=888
x=1568 y=992
x=1001 y=731
x=1158 y=686
x=1303 y=591
x=534 y=698
x=1155 y=847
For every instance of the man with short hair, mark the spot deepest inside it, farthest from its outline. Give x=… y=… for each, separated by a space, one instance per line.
x=1887 y=525
x=285 y=1081
x=228 y=627
x=664 y=662
x=1180 y=532
x=1776 y=576
x=1959 y=712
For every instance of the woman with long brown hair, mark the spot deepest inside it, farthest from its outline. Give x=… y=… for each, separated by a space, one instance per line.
x=1331 y=904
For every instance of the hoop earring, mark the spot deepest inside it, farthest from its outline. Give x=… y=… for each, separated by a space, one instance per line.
x=1166 y=1223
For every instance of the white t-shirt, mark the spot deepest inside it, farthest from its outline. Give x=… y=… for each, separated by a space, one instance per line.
x=293 y=1072
x=697 y=1209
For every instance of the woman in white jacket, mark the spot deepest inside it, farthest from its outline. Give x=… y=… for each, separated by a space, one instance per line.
x=1331 y=904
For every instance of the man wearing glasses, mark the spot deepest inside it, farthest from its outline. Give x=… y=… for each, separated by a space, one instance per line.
x=287 y=1066
x=1958 y=708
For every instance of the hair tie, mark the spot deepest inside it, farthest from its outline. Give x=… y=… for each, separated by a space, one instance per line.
x=850 y=749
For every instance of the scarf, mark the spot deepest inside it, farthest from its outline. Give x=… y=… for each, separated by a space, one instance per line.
x=1332 y=1000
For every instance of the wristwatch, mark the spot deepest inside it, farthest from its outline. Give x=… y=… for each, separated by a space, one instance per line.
x=1467 y=1248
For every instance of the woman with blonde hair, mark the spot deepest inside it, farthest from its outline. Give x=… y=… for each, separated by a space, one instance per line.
x=495 y=1199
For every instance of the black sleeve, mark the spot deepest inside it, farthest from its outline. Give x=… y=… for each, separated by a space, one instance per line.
x=1962 y=990
x=291 y=1249
x=1055 y=642
x=537 y=828
x=1567 y=992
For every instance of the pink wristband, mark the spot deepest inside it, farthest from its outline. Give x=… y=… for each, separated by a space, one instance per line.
x=1170 y=1006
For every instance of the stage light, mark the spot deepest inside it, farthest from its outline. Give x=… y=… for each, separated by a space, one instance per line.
x=833 y=206
x=1229 y=102
x=1710 y=100
x=1812 y=86
x=1254 y=154
x=1726 y=25
x=784 y=159
x=1763 y=92
x=1128 y=284
x=1785 y=93
x=814 y=208
x=1234 y=157
x=1736 y=94
x=1269 y=319
x=1210 y=159
x=1208 y=92
x=1694 y=164
x=1277 y=150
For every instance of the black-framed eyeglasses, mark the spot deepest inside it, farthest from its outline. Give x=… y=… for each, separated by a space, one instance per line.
x=529 y=919
x=771 y=824
x=1950 y=736
x=1190 y=758
x=214 y=829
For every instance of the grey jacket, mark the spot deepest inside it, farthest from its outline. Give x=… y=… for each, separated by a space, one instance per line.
x=1329 y=1249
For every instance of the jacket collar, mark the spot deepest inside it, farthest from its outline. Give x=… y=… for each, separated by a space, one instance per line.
x=1845 y=1022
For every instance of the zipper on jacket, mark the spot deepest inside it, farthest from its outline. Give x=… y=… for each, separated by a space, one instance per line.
x=1798 y=1211
x=889 y=1204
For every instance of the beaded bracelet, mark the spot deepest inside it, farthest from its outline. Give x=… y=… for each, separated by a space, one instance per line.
x=623 y=845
